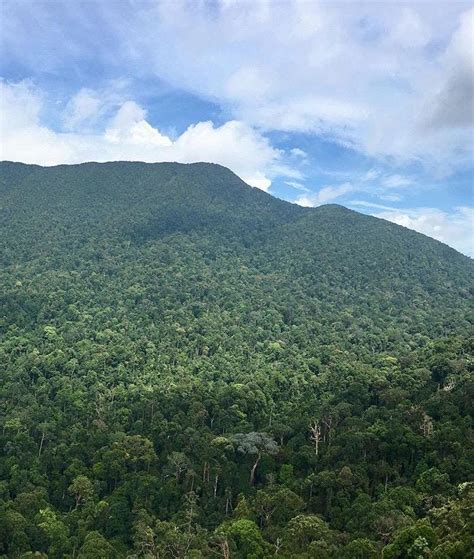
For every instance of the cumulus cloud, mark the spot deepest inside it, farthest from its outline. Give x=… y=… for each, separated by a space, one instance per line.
x=84 y=107
x=127 y=136
x=365 y=73
x=129 y=126
x=387 y=79
x=455 y=228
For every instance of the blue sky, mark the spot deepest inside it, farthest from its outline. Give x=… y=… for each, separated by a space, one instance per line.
x=365 y=104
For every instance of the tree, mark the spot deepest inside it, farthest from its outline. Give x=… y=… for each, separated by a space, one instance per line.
x=245 y=539
x=139 y=451
x=277 y=505
x=315 y=430
x=95 y=546
x=179 y=464
x=255 y=444
x=359 y=549
x=305 y=532
x=13 y=533
x=414 y=542
x=82 y=489
x=56 y=532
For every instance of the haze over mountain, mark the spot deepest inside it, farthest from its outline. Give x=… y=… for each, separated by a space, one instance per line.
x=191 y=366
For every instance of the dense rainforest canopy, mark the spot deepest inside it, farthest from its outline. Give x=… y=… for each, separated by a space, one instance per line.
x=191 y=368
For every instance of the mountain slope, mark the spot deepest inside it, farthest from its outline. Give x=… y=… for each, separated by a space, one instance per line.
x=57 y=218
x=166 y=330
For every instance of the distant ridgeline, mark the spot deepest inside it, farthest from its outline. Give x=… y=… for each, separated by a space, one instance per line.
x=191 y=368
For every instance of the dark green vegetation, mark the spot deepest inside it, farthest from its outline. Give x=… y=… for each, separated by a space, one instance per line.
x=191 y=368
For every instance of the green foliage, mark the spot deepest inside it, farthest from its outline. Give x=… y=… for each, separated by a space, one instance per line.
x=81 y=488
x=246 y=541
x=359 y=549
x=191 y=368
x=414 y=542
x=96 y=547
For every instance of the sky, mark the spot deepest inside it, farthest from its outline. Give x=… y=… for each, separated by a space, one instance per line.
x=360 y=103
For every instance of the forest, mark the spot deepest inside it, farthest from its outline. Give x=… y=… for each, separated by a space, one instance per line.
x=191 y=368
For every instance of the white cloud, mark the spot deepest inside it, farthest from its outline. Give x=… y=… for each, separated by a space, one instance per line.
x=298 y=186
x=374 y=182
x=452 y=105
x=258 y=180
x=396 y=181
x=129 y=126
x=233 y=144
x=455 y=228
x=370 y=175
x=370 y=205
x=325 y=195
x=409 y=30
x=128 y=136
x=308 y=113
x=84 y=107
x=297 y=152
x=390 y=197
x=247 y=83
x=361 y=73
x=388 y=79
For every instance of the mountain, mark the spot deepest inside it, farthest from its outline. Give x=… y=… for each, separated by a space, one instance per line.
x=168 y=331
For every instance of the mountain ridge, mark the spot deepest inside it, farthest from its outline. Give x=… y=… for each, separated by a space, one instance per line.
x=118 y=165
x=60 y=213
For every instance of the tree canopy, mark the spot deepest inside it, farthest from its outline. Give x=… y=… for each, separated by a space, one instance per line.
x=191 y=368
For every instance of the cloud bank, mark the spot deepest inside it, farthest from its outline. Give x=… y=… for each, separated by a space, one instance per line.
x=126 y=135
x=389 y=79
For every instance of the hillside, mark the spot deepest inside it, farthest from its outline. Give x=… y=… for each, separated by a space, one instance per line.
x=192 y=367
